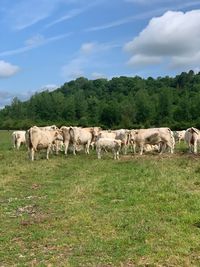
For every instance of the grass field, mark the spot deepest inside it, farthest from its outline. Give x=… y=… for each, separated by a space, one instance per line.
x=81 y=211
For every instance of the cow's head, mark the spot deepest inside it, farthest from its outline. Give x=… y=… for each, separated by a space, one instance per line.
x=95 y=132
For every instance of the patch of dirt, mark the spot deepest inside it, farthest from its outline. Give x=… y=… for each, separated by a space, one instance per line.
x=29 y=209
x=35 y=186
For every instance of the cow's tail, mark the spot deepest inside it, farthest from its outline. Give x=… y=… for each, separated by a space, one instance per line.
x=194 y=130
x=71 y=132
x=30 y=139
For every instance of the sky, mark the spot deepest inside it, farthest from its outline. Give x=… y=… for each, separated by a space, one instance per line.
x=45 y=43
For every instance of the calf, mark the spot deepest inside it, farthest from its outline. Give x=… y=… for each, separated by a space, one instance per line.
x=108 y=144
x=121 y=134
x=180 y=135
x=18 y=138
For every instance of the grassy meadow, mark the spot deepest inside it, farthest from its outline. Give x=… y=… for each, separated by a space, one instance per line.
x=81 y=211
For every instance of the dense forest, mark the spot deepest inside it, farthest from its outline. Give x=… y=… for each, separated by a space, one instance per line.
x=124 y=102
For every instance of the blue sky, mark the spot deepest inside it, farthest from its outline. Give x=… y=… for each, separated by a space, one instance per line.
x=45 y=43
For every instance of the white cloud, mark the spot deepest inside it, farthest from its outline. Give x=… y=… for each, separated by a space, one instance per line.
x=33 y=42
x=175 y=37
x=25 y=13
x=7 y=69
x=97 y=75
x=141 y=60
x=6 y=97
x=87 y=48
x=72 y=13
x=170 y=4
x=49 y=87
x=89 y=57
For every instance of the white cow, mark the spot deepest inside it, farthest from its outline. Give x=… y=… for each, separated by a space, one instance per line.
x=180 y=135
x=41 y=139
x=18 y=138
x=108 y=144
x=121 y=134
x=192 y=138
x=83 y=136
x=57 y=145
x=153 y=136
x=151 y=148
x=66 y=138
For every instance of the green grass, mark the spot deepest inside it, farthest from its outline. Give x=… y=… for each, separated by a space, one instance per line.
x=81 y=211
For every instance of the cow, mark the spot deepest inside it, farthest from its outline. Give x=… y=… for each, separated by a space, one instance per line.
x=151 y=148
x=66 y=138
x=41 y=139
x=179 y=135
x=83 y=136
x=57 y=145
x=18 y=138
x=124 y=136
x=153 y=136
x=121 y=134
x=108 y=144
x=192 y=138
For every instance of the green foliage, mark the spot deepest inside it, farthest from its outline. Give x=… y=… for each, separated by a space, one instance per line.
x=128 y=102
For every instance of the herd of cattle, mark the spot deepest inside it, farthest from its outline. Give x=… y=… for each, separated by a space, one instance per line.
x=65 y=139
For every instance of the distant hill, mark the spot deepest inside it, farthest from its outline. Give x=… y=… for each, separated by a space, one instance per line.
x=124 y=102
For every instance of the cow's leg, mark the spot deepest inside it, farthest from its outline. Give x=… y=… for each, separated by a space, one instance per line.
x=57 y=148
x=117 y=154
x=18 y=144
x=162 y=148
x=99 y=153
x=195 y=147
x=171 y=147
x=87 y=148
x=125 y=149
x=134 y=147
x=141 y=149
x=189 y=147
x=74 y=148
x=114 y=153
x=48 y=150
x=66 y=145
x=32 y=152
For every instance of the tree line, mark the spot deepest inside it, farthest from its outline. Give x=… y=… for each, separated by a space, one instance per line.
x=123 y=102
